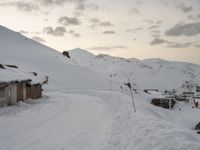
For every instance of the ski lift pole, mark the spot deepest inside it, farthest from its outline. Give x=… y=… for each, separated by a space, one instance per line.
x=131 y=91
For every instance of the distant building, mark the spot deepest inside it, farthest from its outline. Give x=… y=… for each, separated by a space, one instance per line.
x=167 y=103
x=16 y=87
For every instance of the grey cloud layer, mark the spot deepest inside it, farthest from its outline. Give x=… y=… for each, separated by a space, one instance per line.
x=80 y=5
x=134 y=29
x=179 y=45
x=106 y=24
x=109 y=32
x=159 y=41
x=184 y=8
x=23 y=6
x=97 y=22
x=134 y=11
x=58 y=31
x=69 y=21
x=190 y=29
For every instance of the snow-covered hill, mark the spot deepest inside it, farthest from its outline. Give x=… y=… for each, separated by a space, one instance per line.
x=82 y=110
x=149 y=73
x=16 y=49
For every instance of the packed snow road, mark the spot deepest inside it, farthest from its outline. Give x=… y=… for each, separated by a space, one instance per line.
x=60 y=122
x=89 y=120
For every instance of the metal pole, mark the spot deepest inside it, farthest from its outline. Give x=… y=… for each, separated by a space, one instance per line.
x=132 y=96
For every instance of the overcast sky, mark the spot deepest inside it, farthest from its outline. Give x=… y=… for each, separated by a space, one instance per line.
x=168 y=29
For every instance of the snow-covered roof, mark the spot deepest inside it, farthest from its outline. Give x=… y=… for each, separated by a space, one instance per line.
x=9 y=74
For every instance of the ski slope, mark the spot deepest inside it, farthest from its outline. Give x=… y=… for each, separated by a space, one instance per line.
x=82 y=110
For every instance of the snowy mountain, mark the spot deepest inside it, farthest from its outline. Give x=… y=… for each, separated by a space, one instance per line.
x=21 y=51
x=83 y=107
x=162 y=73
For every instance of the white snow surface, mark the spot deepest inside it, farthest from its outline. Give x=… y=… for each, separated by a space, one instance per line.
x=9 y=74
x=147 y=74
x=84 y=109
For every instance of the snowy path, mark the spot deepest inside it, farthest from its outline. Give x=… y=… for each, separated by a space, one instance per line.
x=68 y=122
x=90 y=120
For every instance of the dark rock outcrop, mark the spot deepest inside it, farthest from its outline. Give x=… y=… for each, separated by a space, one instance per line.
x=66 y=53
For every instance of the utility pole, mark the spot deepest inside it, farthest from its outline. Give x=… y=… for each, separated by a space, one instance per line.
x=131 y=91
x=170 y=104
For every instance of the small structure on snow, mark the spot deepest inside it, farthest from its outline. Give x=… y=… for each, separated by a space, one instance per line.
x=167 y=103
x=16 y=85
x=34 y=91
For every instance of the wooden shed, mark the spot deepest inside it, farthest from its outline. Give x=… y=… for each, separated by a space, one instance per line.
x=34 y=91
x=21 y=90
x=2 y=94
x=8 y=93
x=11 y=93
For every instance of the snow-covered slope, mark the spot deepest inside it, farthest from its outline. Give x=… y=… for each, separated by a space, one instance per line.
x=80 y=109
x=149 y=73
x=16 y=49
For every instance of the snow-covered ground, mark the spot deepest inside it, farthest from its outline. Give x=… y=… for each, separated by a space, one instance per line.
x=96 y=120
x=149 y=73
x=84 y=109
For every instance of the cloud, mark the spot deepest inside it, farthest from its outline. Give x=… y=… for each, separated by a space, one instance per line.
x=56 y=2
x=190 y=29
x=153 y=27
x=72 y=32
x=134 y=29
x=134 y=11
x=94 y=20
x=155 y=31
x=138 y=2
x=76 y=35
x=109 y=32
x=106 y=24
x=64 y=20
x=192 y=17
x=157 y=41
x=197 y=45
x=184 y=8
x=38 y=39
x=159 y=22
x=103 y=48
x=156 y=35
x=179 y=45
x=58 y=31
x=81 y=6
x=148 y=21
x=23 y=6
